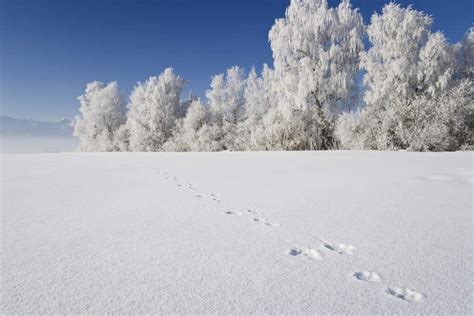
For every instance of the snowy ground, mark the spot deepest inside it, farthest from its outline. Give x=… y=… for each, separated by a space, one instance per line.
x=307 y=232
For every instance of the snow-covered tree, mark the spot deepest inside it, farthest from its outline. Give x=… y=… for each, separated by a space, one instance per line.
x=418 y=92
x=122 y=138
x=316 y=53
x=304 y=129
x=256 y=103
x=411 y=86
x=467 y=54
x=226 y=96
x=406 y=62
x=103 y=111
x=398 y=35
x=444 y=122
x=155 y=107
x=258 y=100
x=189 y=130
x=316 y=57
x=346 y=130
x=226 y=102
x=208 y=138
x=196 y=117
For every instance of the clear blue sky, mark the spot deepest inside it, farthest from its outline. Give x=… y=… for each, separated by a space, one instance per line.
x=51 y=48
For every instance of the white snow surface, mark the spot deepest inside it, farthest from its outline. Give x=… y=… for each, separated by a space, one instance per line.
x=273 y=232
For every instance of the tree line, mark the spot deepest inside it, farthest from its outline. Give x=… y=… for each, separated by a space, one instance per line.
x=416 y=92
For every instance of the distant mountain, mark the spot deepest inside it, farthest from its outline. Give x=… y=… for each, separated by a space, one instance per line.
x=10 y=126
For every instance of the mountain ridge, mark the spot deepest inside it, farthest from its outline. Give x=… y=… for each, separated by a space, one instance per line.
x=11 y=126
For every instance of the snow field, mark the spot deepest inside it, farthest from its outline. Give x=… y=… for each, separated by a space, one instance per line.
x=308 y=232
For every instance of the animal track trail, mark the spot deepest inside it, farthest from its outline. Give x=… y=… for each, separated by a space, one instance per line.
x=186 y=185
x=340 y=248
x=296 y=251
x=189 y=186
x=405 y=294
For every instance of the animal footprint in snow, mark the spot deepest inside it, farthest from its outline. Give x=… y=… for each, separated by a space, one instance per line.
x=215 y=197
x=272 y=224
x=233 y=213
x=295 y=252
x=368 y=276
x=254 y=212
x=405 y=294
x=340 y=248
x=200 y=196
x=265 y=222
x=306 y=252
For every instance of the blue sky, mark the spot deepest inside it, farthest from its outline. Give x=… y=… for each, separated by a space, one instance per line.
x=49 y=49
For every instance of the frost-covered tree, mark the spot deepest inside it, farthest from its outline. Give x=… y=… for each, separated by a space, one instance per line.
x=226 y=102
x=444 y=122
x=406 y=62
x=316 y=56
x=102 y=113
x=191 y=129
x=258 y=100
x=467 y=55
x=256 y=95
x=411 y=85
x=226 y=96
x=405 y=59
x=196 y=117
x=122 y=138
x=305 y=129
x=346 y=130
x=316 y=53
x=418 y=92
x=155 y=107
